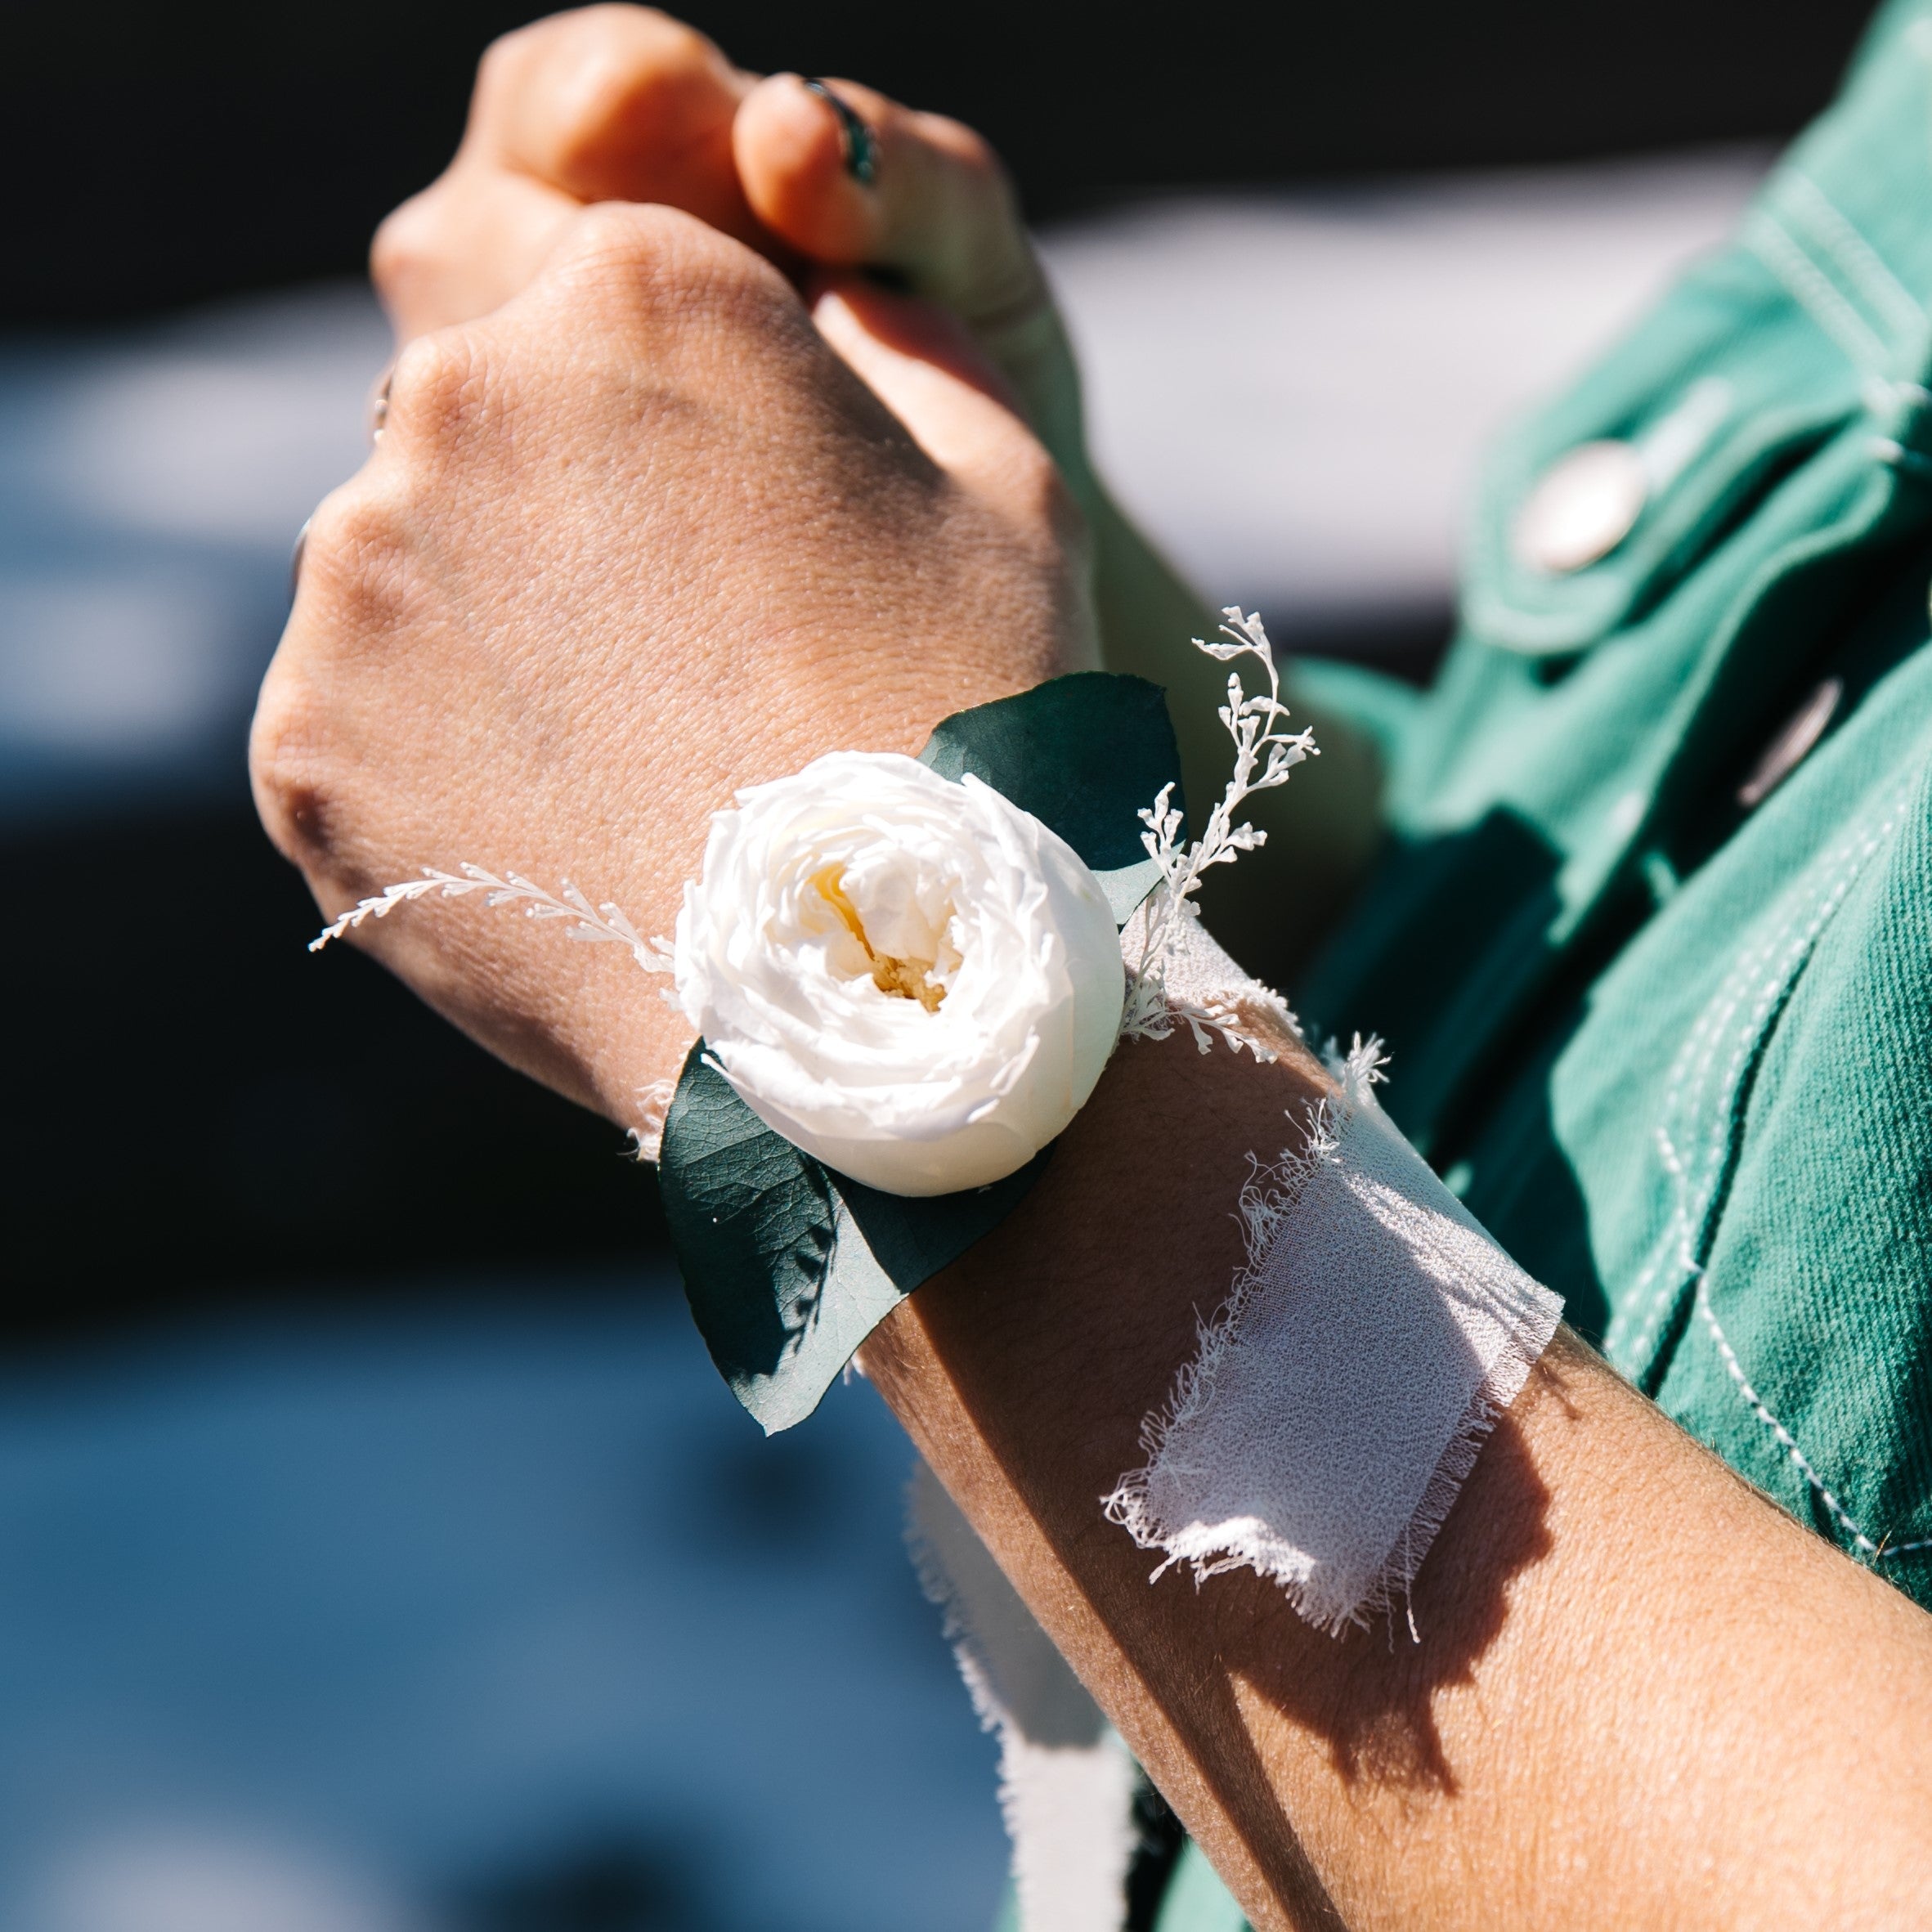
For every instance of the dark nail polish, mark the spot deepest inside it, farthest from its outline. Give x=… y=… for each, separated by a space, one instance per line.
x=858 y=144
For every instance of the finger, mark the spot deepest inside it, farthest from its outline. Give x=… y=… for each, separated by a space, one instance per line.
x=938 y=206
x=464 y=246
x=900 y=335
x=615 y=104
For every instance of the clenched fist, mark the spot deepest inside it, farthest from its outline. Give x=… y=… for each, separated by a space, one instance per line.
x=639 y=537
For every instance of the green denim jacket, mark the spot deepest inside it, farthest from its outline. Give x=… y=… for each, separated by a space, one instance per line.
x=1662 y=1016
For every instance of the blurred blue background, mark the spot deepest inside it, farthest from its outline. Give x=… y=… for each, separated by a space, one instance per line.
x=377 y=1552
x=488 y=1610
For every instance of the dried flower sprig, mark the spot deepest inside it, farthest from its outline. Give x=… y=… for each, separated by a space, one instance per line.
x=604 y=924
x=1264 y=755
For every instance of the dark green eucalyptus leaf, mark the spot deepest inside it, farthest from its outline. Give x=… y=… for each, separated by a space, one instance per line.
x=787 y=1266
x=752 y=1220
x=1083 y=754
x=913 y=1237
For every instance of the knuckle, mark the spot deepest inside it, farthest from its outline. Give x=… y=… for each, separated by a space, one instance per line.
x=635 y=259
x=355 y=578
x=410 y=244
x=610 y=29
x=284 y=765
x=609 y=262
x=347 y=525
x=358 y=596
x=620 y=53
x=435 y=388
x=508 y=58
x=624 y=234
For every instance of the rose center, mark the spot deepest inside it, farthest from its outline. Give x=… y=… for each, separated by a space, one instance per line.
x=904 y=978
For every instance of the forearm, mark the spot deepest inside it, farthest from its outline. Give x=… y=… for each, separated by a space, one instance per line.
x=636 y=538
x=1637 y=1686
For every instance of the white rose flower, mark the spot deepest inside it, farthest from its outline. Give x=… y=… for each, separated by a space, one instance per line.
x=913 y=980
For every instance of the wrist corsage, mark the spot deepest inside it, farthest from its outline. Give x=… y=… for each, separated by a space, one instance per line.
x=906 y=977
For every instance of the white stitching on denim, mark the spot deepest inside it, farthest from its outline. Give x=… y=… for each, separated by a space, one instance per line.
x=1689 y=1219
x=1780 y=251
x=1788 y=1443
x=1860 y=262
x=1662 y=1243
x=1791 y=953
x=1678 y=1238
x=1708 y=1029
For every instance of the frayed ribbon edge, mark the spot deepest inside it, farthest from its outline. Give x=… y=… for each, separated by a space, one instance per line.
x=1266 y=1202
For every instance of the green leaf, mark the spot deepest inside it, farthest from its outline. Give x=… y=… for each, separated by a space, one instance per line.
x=788 y=1265
x=911 y=1238
x=752 y=1220
x=1083 y=754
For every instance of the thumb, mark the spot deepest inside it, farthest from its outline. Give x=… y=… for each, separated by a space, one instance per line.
x=932 y=201
x=934 y=206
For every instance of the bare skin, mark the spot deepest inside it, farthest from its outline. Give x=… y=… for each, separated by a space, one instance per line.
x=638 y=538
x=1641 y=1696
x=637 y=534
x=623 y=103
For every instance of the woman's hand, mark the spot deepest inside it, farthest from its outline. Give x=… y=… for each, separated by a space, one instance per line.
x=615 y=103
x=634 y=539
x=623 y=103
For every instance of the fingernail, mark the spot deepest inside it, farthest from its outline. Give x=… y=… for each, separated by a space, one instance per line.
x=857 y=142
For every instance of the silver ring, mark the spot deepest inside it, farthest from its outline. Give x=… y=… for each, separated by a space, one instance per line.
x=858 y=146
x=295 y=558
x=378 y=406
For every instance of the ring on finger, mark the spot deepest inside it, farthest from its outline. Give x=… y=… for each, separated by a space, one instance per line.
x=295 y=558
x=857 y=142
x=378 y=406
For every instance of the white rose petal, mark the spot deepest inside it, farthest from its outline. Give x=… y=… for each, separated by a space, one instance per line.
x=913 y=980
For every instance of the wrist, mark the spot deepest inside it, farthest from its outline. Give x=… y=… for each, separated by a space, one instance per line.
x=1049 y=1341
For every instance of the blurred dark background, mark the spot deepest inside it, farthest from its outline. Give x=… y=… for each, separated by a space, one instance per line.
x=196 y=1104
x=165 y=154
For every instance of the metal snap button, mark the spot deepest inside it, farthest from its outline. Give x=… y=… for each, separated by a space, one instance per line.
x=1582 y=508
